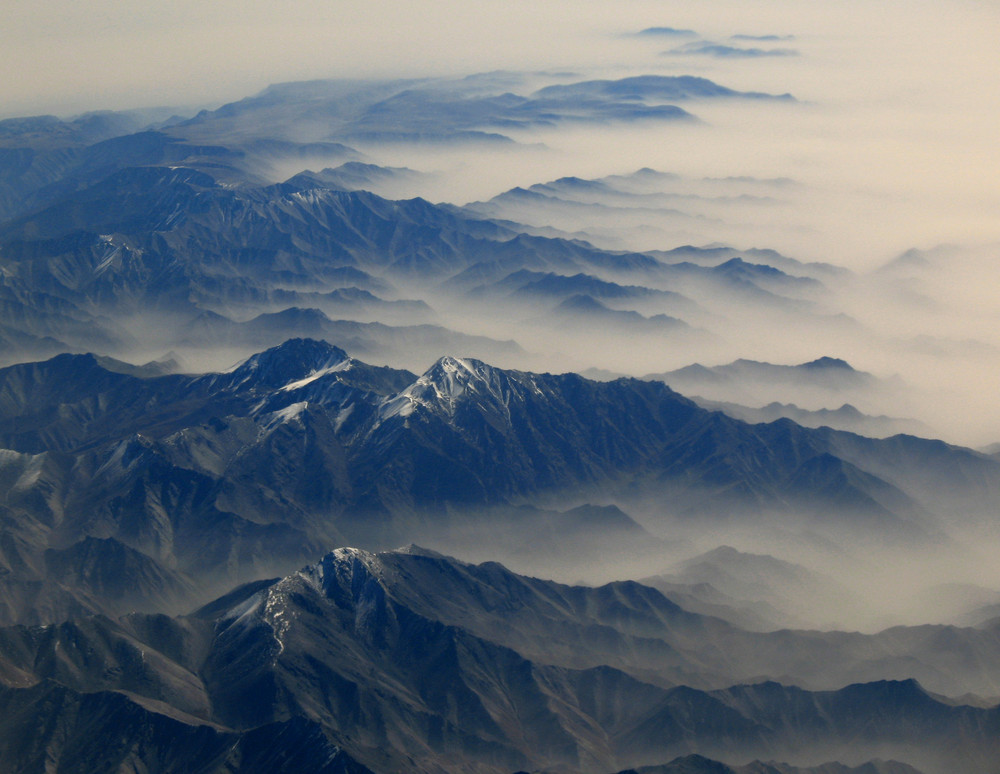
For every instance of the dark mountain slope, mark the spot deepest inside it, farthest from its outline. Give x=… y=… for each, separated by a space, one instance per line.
x=399 y=659
x=109 y=731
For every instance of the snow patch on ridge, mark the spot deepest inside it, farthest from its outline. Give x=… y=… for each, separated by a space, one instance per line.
x=276 y=615
x=402 y=405
x=319 y=373
x=282 y=416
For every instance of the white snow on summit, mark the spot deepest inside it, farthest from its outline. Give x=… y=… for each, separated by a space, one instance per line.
x=451 y=378
x=446 y=380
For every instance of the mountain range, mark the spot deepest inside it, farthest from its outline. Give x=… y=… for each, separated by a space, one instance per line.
x=220 y=475
x=243 y=359
x=410 y=660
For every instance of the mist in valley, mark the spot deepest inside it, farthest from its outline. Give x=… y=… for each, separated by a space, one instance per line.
x=764 y=571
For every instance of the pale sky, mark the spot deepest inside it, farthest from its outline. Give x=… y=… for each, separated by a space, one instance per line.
x=61 y=55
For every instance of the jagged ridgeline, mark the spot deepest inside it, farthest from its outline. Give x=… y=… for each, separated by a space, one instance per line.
x=409 y=660
x=126 y=489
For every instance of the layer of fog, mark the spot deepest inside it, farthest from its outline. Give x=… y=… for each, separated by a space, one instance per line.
x=895 y=137
x=889 y=147
x=838 y=574
x=926 y=334
x=892 y=137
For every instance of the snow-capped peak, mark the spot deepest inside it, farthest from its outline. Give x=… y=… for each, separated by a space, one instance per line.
x=440 y=386
x=292 y=364
x=341 y=567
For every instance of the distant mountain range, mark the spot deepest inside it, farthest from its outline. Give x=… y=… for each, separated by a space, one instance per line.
x=753 y=391
x=827 y=373
x=131 y=240
x=154 y=256
x=755 y=591
x=44 y=157
x=847 y=417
